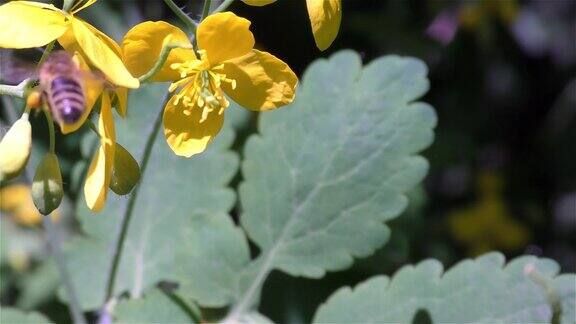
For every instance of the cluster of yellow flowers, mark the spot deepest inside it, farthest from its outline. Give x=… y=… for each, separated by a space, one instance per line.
x=224 y=63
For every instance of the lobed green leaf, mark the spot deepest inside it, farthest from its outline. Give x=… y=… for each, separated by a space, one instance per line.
x=484 y=290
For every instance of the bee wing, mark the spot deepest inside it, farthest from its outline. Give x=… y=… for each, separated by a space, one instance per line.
x=14 y=70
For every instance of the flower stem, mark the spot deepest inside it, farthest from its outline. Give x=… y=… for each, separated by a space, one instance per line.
x=124 y=223
x=50 y=129
x=47 y=51
x=68 y=4
x=160 y=63
x=52 y=236
x=206 y=9
x=189 y=22
x=15 y=91
x=223 y=6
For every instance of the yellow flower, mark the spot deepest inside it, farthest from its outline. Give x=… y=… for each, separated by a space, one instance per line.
x=16 y=201
x=27 y=24
x=488 y=224
x=227 y=63
x=325 y=17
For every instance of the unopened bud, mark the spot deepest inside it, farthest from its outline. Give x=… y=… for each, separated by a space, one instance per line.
x=47 y=189
x=15 y=149
x=126 y=172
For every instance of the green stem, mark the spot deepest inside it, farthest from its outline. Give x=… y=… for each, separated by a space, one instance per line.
x=15 y=91
x=52 y=236
x=223 y=6
x=160 y=63
x=122 y=229
x=189 y=22
x=47 y=51
x=68 y=5
x=50 y=129
x=206 y=9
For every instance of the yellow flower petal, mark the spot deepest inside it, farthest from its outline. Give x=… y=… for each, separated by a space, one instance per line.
x=143 y=43
x=80 y=5
x=92 y=87
x=29 y=24
x=107 y=40
x=101 y=167
x=258 y=3
x=325 y=16
x=102 y=55
x=224 y=36
x=185 y=134
x=263 y=82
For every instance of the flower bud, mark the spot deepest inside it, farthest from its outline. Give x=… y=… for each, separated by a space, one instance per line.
x=15 y=149
x=47 y=189
x=126 y=172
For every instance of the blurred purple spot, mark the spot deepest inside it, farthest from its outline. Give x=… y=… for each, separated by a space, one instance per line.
x=444 y=27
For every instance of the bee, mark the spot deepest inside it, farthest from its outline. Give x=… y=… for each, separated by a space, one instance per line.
x=62 y=87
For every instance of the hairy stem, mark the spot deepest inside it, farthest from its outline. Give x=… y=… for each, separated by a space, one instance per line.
x=189 y=22
x=122 y=229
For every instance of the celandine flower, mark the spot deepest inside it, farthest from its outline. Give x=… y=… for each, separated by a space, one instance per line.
x=227 y=63
x=325 y=17
x=27 y=24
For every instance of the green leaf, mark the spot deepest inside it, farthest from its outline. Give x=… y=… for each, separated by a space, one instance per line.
x=38 y=286
x=155 y=307
x=484 y=290
x=16 y=316
x=172 y=189
x=209 y=260
x=330 y=169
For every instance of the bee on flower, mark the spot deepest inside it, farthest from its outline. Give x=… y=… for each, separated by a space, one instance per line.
x=90 y=67
x=225 y=63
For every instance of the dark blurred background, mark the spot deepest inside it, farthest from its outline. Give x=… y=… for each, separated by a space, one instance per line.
x=503 y=165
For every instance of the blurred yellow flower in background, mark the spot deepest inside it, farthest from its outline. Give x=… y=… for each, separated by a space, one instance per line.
x=488 y=224
x=325 y=18
x=227 y=63
x=474 y=14
x=16 y=201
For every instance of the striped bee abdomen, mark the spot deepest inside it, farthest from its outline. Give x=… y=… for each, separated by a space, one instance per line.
x=67 y=99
